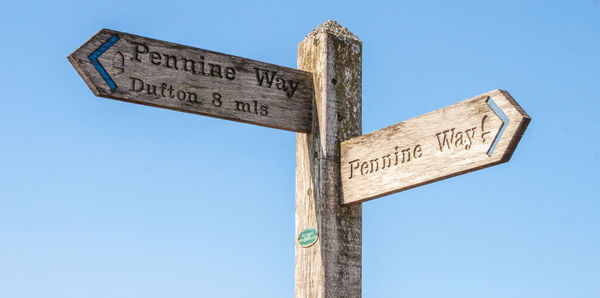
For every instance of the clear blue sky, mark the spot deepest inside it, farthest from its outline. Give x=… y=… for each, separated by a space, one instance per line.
x=100 y=198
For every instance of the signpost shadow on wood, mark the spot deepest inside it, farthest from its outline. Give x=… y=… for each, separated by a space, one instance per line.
x=336 y=167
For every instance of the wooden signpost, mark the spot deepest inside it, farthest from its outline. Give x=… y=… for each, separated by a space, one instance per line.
x=332 y=266
x=151 y=72
x=336 y=168
x=476 y=133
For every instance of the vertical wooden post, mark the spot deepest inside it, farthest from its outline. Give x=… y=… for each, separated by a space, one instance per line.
x=332 y=266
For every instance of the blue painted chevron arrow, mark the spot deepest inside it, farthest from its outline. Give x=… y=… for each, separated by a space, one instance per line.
x=504 y=119
x=97 y=53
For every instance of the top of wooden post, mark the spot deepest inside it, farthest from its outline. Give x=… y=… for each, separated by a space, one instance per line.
x=334 y=28
x=331 y=267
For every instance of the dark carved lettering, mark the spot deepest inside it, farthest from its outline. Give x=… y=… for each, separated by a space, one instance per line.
x=202 y=65
x=242 y=106
x=265 y=74
x=136 y=82
x=169 y=58
x=171 y=91
x=118 y=63
x=138 y=85
x=417 y=152
x=253 y=107
x=364 y=168
x=458 y=139
x=139 y=48
x=405 y=155
x=153 y=89
x=163 y=86
x=470 y=136
x=444 y=140
x=189 y=65
x=287 y=86
x=181 y=95
x=230 y=73
x=352 y=168
x=372 y=165
x=155 y=58
x=264 y=110
x=292 y=88
x=192 y=97
x=483 y=131
x=215 y=70
x=374 y=162
x=385 y=158
x=217 y=100
x=280 y=84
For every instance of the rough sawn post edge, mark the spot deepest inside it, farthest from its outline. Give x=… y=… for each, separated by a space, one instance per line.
x=332 y=266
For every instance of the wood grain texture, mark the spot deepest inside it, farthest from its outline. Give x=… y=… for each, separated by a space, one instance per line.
x=187 y=79
x=332 y=266
x=444 y=143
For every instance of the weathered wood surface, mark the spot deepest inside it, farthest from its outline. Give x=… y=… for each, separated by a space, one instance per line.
x=332 y=266
x=447 y=142
x=151 y=72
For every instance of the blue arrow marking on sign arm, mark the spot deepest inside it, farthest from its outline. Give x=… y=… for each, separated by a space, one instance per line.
x=97 y=53
x=504 y=119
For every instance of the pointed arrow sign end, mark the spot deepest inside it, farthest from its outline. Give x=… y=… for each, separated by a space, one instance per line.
x=517 y=121
x=473 y=134
x=85 y=59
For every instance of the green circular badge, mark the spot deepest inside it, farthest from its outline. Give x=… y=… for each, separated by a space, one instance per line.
x=307 y=237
